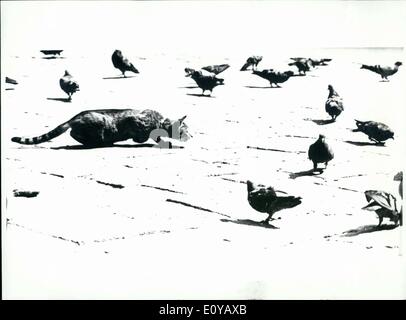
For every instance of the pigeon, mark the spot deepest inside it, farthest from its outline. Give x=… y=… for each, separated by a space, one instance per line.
x=399 y=177
x=205 y=82
x=216 y=69
x=376 y=131
x=11 y=81
x=68 y=85
x=274 y=77
x=384 y=71
x=189 y=72
x=384 y=205
x=319 y=62
x=265 y=199
x=251 y=62
x=122 y=63
x=302 y=65
x=334 y=104
x=320 y=152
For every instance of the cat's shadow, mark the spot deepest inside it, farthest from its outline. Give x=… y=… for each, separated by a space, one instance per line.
x=139 y=145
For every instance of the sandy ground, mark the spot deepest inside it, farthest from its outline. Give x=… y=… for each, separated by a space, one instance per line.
x=134 y=222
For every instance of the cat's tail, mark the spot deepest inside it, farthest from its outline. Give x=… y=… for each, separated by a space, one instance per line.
x=45 y=137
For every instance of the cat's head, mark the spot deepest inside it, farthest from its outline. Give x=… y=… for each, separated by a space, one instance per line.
x=177 y=129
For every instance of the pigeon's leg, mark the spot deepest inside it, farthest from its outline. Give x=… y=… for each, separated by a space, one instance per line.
x=203 y=92
x=278 y=86
x=314 y=165
x=266 y=221
x=124 y=74
x=326 y=163
x=211 y=91
x=70 y=96
x=373 y=139
x=380 y=220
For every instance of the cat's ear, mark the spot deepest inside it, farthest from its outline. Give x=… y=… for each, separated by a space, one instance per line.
x=182 y=119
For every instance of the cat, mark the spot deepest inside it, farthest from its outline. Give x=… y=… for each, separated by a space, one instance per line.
x=100 y=128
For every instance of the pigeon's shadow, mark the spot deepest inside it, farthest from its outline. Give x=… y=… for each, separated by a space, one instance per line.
x=368 y=229
x=311 y=172
x=363 y=144
x=53 y=57
x=60 y=99
x=267 y=87
x=10 y=89
x=199 y=95
x=323 y=122
x=189 y=87
x=249 y=222
x=118 y=77
x=140 y=145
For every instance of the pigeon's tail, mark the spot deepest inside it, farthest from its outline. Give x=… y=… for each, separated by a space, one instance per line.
x=250 y=186
x=11 y=81
x=291 y=201
x=134 y=69
x=245 y=66
x=371 y=68
x=220 y=81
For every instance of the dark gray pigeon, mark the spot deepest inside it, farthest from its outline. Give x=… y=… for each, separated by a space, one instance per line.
x=384 y=71
x=320 y=152
x=274 y=77
x=334 y=104
x=68 y=85
x=265 y=199
x=122 y=63
x=251 y=62
x=376 y=131
x=384 y=205
x=205 y=82
x=303 y=65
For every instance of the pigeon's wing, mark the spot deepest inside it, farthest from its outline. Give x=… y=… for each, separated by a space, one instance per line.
x=311 y=151
x=245 y=66
x=373 y=206
x=398 y=176
x=216 y=69
x=382 y=198
x=298 y=59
